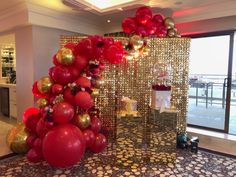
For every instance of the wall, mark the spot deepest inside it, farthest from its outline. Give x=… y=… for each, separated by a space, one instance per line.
x=35 y=47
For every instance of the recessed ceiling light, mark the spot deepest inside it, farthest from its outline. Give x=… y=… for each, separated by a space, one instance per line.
x=108 y=21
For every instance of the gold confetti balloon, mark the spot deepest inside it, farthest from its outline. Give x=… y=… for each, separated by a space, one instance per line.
x=136 y=41
x=99 y=82
x=95 y=92
x=171 y=33
x=83 y=121
x=65 y=56
x=42 y=102
x=169 y=23
x=44 y=85
x=16 y=139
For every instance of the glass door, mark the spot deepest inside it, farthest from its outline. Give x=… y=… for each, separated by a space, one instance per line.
x=232 y=119
x=208 y=80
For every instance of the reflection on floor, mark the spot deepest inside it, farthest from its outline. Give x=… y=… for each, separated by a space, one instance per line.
x=5 y=125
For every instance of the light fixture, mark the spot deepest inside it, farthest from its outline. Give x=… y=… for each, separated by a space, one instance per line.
x=108 y=21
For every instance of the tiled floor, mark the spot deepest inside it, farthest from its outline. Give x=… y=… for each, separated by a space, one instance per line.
x=5 y=125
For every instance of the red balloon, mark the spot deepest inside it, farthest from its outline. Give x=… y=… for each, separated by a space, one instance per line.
x=89 y=137
x=129 y=25
x=143 y=15
x=74 y=73
x=84 y=100
x=96 y=124
x=70 y=46
x=34 y=155
x=63 y=146
x=37 y=144
x=42 y=128
x=141 y=31
x=31 y=123
x=80 y=62
x=161 y=31
x=28 y=112
x=83 y=82
x=85 y=48
x=68 y=96
x=151 y=28
x=158 y=19
x=61 y=75
x=108 y=41
x=57 y=89
x=114 y=54
x=36 y=92
x=30 y=140
x=55 y=61
x=63 y=112
x=99 y=144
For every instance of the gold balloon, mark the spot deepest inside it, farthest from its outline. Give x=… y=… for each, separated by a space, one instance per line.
x=16 y=139
x=136 y=41
x=169 y=22
x=172 y=33
x=65 y=56
x=95 y=92
x=42 y=102
x=128 y=56
x=134 y=53
x=146 y=51
x=44 y=84
x=99 y=82
x=83 y=121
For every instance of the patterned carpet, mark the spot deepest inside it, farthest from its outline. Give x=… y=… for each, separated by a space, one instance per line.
x=136 y=152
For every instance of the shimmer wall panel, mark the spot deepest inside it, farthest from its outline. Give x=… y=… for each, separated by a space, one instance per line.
x=134 y=79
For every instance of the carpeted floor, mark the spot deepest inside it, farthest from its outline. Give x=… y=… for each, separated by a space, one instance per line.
x=136 y=152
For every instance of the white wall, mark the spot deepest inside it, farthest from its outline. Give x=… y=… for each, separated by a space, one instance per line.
x=35 y=47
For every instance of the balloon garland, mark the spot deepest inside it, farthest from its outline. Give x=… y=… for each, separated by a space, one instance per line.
x=64 y=125
x=143 y=25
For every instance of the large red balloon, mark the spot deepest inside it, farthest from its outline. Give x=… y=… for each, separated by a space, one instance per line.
x=114 y=54
x=38 y=144
x=61 y=75
x=99 y=144
x=85 y=48
x=63 y=146
x=129 y=25
x=63 y=112
x=74 y=73
x=34 y=155
x=68 y=96
x=143 y=15
x=83 y=82
x=96 y=124
x=151 y=28
x=89 y=137
x=28 y=112
x=84 y=100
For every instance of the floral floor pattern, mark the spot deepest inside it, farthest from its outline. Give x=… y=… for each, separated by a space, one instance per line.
x=136 y=152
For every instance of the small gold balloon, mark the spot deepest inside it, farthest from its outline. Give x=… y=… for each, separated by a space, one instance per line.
x=83 y=121
x=44 y=84
x=99 y=82
x=16 y=139
x=128 y=56
x=136 y=41
x=169 y=22
x=171 y=33
x=95 y=92
x=134 y=53
x=42 y=102
x=65 y=56
x=146 y=51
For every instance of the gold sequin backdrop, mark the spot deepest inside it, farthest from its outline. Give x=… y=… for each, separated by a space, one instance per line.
x=134 y=79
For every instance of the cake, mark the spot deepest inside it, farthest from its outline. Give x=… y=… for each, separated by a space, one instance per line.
x=160 y=97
